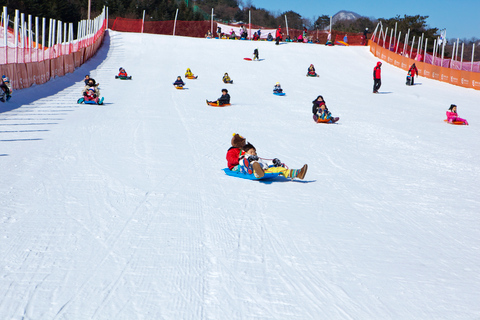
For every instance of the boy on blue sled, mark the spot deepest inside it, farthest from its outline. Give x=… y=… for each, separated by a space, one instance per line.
x=242 y=157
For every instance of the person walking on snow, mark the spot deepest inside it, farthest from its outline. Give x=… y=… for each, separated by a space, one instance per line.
x=377 y=75
x=278 y=35
x=413 y=72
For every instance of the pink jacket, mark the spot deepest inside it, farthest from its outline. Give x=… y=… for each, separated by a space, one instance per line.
x=451 y=115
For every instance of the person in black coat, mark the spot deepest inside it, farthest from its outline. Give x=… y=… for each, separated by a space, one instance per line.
x=224 y=99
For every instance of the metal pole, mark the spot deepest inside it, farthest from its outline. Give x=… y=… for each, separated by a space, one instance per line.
x=286 y=25
x=15 y=33
x=390 y=40
x=473 y=54
x=411 y=47
x=89 y=7
x=211 y=24
x=175 y=23
x=461 y=56
x=143 y=20
x=398 y=41
x=5 y=33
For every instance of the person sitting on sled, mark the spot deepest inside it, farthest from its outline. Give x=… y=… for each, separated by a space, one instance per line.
x=249 y=163
x=90 y=95
x=311 y=71
x=189 y=74
x=6 y=89
x=320 y=111
x=235 y=151
x=226 y=78
x=224 y=99
x=179 y=82
x=255 y=54
x=122 y=73
x=452 y=115
x=91 y=85
x=277 y=88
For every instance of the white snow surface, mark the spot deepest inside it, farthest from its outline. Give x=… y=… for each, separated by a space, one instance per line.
x=122 y=211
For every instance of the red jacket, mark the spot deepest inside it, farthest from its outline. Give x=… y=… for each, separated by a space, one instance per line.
x=413 y=70
x=233 y=155
x=278 y=34
x=377 y=71
x=122 y=74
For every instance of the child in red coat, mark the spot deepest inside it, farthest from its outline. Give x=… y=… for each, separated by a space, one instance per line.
x=235 y=151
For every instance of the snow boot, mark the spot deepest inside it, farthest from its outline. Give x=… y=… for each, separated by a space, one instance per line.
x=335 y=119
x=301 y=173
x=257 y=170
x=81 y=100
x=100 y=101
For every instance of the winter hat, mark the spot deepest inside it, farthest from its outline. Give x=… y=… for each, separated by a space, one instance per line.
x=379 y=64
x=248 y=146
x=238 y=141
x=225 y=90
x=91 y=89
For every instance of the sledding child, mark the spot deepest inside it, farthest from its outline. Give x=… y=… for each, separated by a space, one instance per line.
x=226 y=78
x=320 y=111
x=452 y=115
x=6 y=89
x=91 y=92
x=255 y=54
x=179 y=82
x=189 y=74
x=277 y=88
x=311 y=71
x=251 y=163
x=122 y=73
x=223 y=100
x=235 y=151
x=90 y=95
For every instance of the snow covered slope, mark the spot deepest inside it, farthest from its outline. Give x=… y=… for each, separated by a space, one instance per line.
x=122 y=211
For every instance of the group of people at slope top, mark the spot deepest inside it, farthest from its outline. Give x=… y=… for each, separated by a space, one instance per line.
x=242 y=157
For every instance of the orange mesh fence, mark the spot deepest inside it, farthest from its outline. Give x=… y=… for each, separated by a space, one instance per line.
x=461 y=78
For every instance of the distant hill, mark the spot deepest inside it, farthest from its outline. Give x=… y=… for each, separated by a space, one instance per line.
x=345 y=15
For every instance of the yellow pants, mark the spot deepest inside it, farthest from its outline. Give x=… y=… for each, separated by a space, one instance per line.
x=287 y=173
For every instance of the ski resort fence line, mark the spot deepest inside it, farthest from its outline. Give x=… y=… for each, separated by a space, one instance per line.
x=467 y=79
x=32 y=52
x=199 y=29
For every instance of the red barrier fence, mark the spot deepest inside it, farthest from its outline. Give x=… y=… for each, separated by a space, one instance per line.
x=199 y=29
x=35 y=64
x=24 y=75
x=461 y=78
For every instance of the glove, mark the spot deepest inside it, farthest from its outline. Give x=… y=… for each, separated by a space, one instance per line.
x=252 y=158
x=277 y=162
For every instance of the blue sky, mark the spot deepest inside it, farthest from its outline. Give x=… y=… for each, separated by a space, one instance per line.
x=461 y=18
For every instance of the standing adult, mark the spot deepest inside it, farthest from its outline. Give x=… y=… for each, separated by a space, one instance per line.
x=365 y=35
x=278 y=35
x=413 y=72
x=377 y=82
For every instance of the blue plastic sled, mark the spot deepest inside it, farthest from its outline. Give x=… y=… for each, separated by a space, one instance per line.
x=81 y=100
x=237 y=174
x=279 y=93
